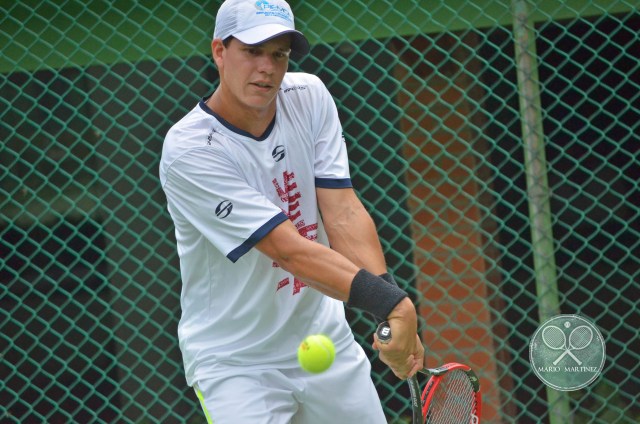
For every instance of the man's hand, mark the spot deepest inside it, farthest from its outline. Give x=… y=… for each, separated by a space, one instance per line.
x=404 y=353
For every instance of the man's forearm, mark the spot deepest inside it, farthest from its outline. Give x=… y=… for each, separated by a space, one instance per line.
x=354 y=235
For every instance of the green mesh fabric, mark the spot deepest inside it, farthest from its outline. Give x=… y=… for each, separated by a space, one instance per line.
x=495 y=143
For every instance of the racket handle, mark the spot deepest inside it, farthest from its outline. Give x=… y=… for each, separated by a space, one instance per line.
x=384 y=336
x=384 y=332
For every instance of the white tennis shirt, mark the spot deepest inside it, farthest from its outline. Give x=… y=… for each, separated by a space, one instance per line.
x=226 y=189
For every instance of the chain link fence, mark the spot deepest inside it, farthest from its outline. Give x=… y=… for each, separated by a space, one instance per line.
x=475 y=198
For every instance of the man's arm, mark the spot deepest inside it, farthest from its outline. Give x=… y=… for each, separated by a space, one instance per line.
x=333 y=273
x=352 y=232
x=354 y=245
x=350 y=228
x=318 y=266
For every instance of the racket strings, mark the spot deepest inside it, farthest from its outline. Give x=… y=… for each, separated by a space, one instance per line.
x=454 y=400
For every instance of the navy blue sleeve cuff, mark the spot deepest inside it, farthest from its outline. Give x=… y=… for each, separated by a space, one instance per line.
x=258 y=235
x=333 y=183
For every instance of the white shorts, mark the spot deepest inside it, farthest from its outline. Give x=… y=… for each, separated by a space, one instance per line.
x=344 y=394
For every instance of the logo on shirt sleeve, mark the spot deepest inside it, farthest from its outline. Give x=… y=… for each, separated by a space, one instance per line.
x=223 y=209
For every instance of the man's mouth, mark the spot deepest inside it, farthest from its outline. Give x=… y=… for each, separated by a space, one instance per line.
x=262 y=85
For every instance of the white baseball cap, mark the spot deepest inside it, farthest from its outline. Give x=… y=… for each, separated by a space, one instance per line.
x=257 y=21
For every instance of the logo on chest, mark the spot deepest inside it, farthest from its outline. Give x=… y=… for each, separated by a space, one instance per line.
x=291 y=196
x=278 y=153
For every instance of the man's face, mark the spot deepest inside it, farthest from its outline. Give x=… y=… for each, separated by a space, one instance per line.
x=251 y=75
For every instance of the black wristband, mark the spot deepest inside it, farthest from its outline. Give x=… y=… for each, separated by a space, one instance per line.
x=369 y=293
x=389 y=279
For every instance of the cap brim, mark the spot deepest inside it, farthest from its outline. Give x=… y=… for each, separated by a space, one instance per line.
x=264 y=33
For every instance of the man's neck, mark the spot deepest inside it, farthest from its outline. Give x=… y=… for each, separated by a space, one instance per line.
x=254 y=121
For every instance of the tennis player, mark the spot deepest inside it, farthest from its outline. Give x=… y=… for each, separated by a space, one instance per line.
x=258 y=186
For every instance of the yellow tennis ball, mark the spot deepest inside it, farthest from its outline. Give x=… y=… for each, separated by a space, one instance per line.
x=316 y=353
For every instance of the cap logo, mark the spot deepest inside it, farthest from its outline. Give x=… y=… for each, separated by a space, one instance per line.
x=268 y=9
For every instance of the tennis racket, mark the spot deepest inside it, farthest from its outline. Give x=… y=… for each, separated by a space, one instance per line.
x=451 y=395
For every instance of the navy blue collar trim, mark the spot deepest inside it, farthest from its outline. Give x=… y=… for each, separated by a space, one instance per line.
x=235 y=129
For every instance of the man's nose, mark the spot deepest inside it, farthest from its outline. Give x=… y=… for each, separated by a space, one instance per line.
x=266 y=63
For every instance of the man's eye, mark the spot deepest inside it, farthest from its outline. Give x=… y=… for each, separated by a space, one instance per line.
x=253 y=51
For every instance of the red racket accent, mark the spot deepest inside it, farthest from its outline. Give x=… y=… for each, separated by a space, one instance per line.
x=452 y=396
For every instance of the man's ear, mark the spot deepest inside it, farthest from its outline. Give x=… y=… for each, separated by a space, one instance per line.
x=216 y=51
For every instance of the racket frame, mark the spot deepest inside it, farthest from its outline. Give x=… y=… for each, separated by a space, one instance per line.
x=437 y=375
x=420 y=404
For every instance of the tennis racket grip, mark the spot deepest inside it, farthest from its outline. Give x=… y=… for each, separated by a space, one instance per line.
x=384 y=332
x=384 y=336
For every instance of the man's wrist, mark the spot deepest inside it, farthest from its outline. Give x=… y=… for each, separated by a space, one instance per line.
x=389 y=279
x=404 y=310
x=369 y=292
